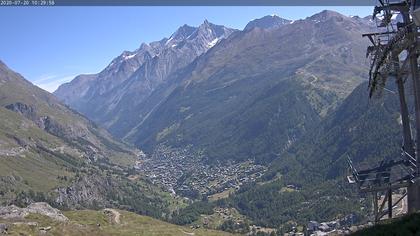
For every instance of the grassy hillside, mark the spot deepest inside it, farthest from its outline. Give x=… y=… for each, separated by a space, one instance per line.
x=406 y=226
x=89 y=222
x=28 y=165
x=71 y=129
x=51 y=153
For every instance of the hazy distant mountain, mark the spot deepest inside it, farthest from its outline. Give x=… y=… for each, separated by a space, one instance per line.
x=129 y=78
x=267 y=22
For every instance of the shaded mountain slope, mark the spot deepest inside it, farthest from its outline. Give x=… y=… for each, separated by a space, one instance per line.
x=366 y=130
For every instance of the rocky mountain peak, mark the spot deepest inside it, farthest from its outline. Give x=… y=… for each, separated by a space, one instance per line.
x=143 y=46
x=140 y=71
x=212 y=32
x=206 y=26
x=182 y=33
x=206 y=34
x=325 y=15
x=206 y=22
x=267 y=22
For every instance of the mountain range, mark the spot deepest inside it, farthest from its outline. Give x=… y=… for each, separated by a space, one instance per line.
x=233 y=98
x=290 y=95
x=108 y=96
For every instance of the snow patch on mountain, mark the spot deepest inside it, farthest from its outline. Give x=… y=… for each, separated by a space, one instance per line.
x=126 y=57
x=212 y=43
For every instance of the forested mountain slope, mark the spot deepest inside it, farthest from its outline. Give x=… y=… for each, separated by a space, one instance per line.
x=366 y=130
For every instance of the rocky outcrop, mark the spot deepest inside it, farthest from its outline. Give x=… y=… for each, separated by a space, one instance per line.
x=24 y=109
x=42 y=208
x=3 y=228
x=45 y=209
x=46 y=123
x=77 y=135
x=86 y=191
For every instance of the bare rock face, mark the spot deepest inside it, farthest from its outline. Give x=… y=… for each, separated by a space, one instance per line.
x=42 y=208
x=3 y=228
x=45 y=209
x=85 y=191
x=46 y=123
x=12 y=212
x=52 y=126
x=24 y=109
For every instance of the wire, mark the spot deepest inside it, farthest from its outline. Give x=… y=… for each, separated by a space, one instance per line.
x=393 y=92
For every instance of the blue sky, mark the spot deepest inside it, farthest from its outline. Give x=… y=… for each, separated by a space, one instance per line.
x=49 y=46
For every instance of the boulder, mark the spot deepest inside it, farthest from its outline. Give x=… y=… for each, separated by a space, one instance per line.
x=42 y=208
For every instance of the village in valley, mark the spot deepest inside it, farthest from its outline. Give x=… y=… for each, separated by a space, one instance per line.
x=184 y=172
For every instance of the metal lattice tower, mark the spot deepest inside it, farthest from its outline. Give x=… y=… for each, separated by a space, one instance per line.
x=394 y=54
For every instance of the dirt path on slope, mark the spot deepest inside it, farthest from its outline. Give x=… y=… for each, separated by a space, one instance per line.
x=187 y=232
